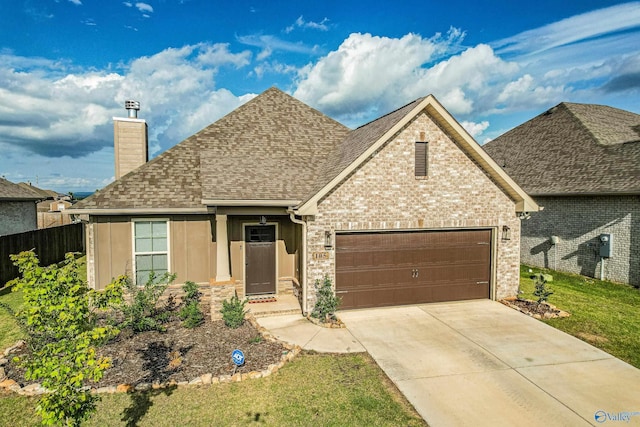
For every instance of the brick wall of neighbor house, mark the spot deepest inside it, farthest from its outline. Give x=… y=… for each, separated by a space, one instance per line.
x=384 y=194
x=17 y=217
x=578 y=222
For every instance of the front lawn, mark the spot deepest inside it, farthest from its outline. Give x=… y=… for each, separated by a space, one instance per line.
x=604 y=314
x=312 y=390
x=9 y=330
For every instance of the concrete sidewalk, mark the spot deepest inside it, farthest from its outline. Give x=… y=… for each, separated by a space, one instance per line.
x=295 y=329
x=481 y=363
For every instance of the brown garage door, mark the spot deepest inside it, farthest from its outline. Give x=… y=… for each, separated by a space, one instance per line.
x=382 y=269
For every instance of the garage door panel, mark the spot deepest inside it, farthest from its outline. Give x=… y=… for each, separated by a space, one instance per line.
x=374 y=270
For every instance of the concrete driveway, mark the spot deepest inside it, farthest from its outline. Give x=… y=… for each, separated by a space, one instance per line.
x=481 y=363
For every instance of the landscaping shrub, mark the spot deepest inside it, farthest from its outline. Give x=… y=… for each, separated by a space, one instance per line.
x=233 y=311
x=327 y=302
x=541 y=291
x=140 y=308
x=190 y=313
x=61 y=334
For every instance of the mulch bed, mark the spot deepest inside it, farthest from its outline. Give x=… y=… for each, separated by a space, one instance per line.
x=535 y=309
x=179 y=354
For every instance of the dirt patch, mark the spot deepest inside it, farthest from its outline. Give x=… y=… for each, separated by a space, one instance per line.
x=179 y=354
x=535 y=309
x=592 y=338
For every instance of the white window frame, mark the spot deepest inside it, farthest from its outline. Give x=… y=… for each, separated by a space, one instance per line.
x=133 y=244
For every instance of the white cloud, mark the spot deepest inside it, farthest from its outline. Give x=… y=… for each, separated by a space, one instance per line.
x=76 y=2
x=475 y=129
x=128 y=4
x=579 y=28
x=270 y=44
x=384 y=72
x=301 y=23
x=219 y=54
x=144 y=7
x=49 y=110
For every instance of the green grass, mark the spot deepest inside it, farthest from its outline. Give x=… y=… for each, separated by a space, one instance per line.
x=604 y=314
x=9 y=330
x=312 y=390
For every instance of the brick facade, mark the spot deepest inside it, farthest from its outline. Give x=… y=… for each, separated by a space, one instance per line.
x=384 y=194
x=578 y=222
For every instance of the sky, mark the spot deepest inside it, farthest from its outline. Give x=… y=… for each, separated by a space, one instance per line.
x=67 y=66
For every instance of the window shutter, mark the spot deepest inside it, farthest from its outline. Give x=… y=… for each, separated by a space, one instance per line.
x=421 y=158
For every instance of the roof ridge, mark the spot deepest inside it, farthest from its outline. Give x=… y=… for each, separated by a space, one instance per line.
x=417 y=100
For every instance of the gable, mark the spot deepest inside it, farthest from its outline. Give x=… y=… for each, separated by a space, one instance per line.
x=523 y=203
x=385 y=186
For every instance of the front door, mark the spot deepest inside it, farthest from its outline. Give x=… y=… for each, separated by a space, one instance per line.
x=260 y=259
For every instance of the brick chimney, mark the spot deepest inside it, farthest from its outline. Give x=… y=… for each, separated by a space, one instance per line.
x=130 y=140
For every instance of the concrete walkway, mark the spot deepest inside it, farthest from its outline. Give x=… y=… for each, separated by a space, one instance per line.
x=481 y=363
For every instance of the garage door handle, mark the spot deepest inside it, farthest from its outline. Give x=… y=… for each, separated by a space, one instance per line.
x=342 y=292
x=484 y=282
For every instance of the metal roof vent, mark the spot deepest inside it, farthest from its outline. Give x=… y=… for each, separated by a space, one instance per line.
x=132 y=107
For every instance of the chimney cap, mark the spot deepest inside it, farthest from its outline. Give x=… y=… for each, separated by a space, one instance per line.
x=132 y=107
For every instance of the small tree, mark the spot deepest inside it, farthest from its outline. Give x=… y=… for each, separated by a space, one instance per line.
x=233 y=311
x=62 y=335
x=140 y=307
x=190 y=313
x=541 y=290
x=327 y=302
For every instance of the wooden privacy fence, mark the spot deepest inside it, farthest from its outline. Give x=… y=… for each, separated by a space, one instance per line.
x=50 y=244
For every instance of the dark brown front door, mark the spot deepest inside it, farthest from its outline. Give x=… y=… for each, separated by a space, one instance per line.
x=382 y=269
x=260 y=259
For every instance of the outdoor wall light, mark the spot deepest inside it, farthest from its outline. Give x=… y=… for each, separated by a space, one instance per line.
x=506 y=232
x=263 y=220
x=328 y=243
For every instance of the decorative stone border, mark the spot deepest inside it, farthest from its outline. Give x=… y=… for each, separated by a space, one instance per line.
x=333 y=325
x=205 y=379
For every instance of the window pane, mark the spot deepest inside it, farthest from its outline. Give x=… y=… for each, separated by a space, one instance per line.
x=159 y=229
x=144 y=262
x=144 y=244
x=159 y=263
x=159 y=244
x=142 y=229
x=142 y=277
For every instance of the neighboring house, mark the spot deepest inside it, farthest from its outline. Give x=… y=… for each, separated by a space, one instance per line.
x=581 y=163
x=275 y=196
x=51 y=208
x=17 y=208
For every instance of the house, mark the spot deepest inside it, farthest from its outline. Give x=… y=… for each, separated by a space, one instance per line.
x=51 y=207
x=581 y=162
x=274 y=196
x=17 y=208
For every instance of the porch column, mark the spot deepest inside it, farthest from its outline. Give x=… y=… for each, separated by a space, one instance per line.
x=222 y=250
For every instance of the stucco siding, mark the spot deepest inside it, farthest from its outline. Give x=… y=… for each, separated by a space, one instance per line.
x=17 y=217
x=384 y=194
x=578 y=223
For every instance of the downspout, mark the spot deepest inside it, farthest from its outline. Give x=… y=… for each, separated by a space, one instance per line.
x=303 y=271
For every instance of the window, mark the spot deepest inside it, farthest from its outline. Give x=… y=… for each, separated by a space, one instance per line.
x=422 y=158
x=151 y=248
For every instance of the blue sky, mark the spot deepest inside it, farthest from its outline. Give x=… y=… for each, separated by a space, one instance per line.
x=67 y=66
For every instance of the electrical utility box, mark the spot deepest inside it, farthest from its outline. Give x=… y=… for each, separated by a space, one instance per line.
x=606 y=245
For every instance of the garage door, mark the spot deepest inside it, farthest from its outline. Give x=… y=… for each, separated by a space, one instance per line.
x=382 y=269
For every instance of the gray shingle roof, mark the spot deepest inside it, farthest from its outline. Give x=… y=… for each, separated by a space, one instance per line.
x=11 y=191
x=271 y=148
x=573 y=149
